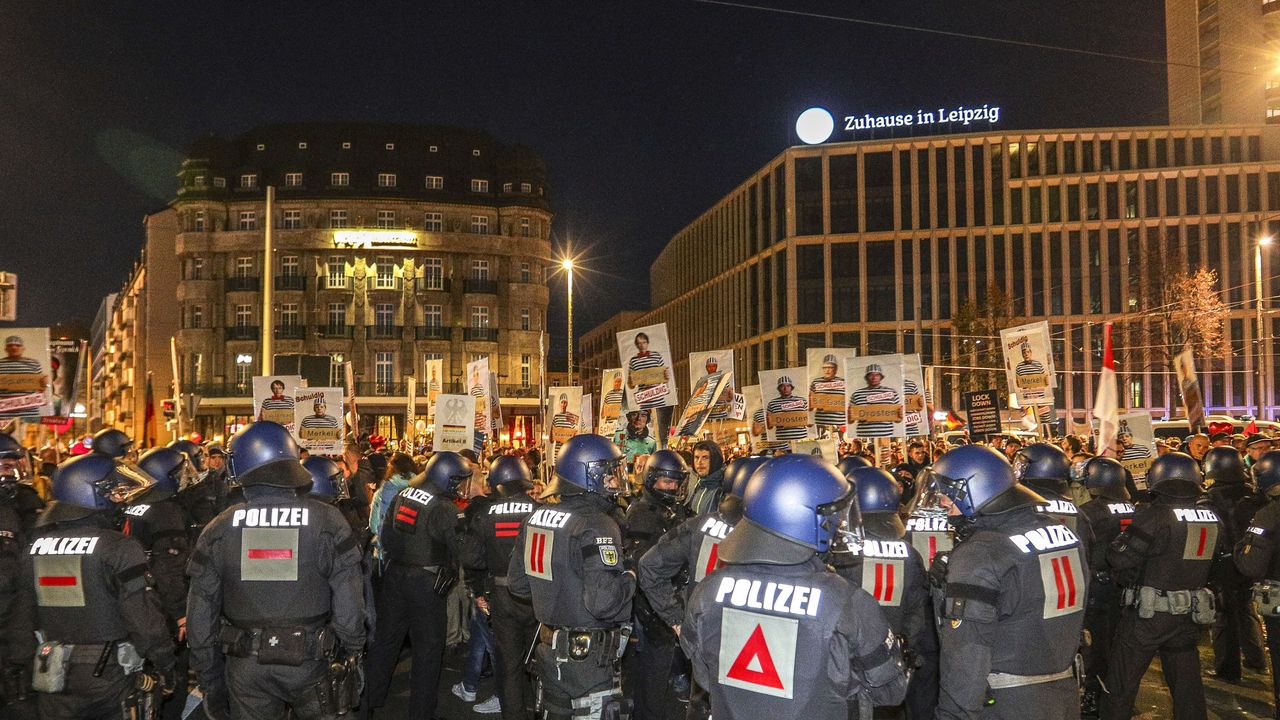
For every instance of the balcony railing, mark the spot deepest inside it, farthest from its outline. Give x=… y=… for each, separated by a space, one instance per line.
x=335 y=331
x=243 y=283
x=385 y=332
x=431 y=332
x=331 y=282
x=290 y=332
x=473 y=285
x=243 y=332
x=483 y=334
x=431 y=284
x=384 y=284
x=291 y=282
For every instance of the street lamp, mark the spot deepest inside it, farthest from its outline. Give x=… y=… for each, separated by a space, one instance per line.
x=1260 y=334
x=567 y=264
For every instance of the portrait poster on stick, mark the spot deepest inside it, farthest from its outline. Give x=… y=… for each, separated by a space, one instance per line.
x=273 y=398
x=877 y=408
x=786 y=406
x=646 y=366
x=317 y=419
x=25 y=373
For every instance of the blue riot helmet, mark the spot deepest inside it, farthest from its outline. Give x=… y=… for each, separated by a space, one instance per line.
x=97 y=482
x=1043 y=466
x=194 y=451
x=111 y=442
x=1105 y=477
x=264 y=453
x=979 y=481
x=445 y=471
x=879 y=499
x=849 y=463
x=1266 y=473
x=509 y=475
x=170 y=469
x=794 y=506
x=1224 y=466
x=327 y=481
x=1175 y=475
x=15 y=466
x=588 y=463
x=666 y=464
x=735 y=485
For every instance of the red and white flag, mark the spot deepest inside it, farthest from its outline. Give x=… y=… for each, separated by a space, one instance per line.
x=1105 y=406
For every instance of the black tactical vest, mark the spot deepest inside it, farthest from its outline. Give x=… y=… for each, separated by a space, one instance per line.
x=409 y=541
x=150 y=522
x=270 y=553
x=558 y=539
x=499 y=527
x=704 y=554
x=930 y=535
x=77 y=580
x=880 y=567
x=1190 y=540
x=1107 y=518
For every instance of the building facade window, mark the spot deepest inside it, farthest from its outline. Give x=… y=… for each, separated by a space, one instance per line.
x=480 y=316
x=195 y=269
x=337 y=371
x=339 y=179
x=289 y=314
x=524 y=318
x=479 y=269
x=525 y=227
x=386 y=219
x=524 y=272
x=479 y=224
x=196 y=317
x=434 y=222
x=244 y=316
x=384 y=315
x=337 y=271
x=249 y=180
x=435 y=182
x=433 y=273
x=248 y=220
x=198 y=223
x=293 y=179
x=244 y=375
x=506 y=187
x=526 y=188
x=384 y=365
x=292 y=219
x=337 y=315
x=244 y=266
x=337 y=219
x=432 y=316
x=384 y=273
x=525 y=362
x=479 y=186
x=386 y=180
x=289 y=266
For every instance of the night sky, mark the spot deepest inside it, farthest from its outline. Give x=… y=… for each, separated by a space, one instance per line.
x=646 y=112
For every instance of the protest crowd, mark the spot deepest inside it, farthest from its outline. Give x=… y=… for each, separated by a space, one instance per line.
x=867 y=569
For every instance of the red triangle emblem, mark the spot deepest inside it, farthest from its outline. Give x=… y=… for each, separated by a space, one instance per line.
x=755 y=663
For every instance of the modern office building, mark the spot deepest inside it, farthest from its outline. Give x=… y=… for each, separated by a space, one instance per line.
x=392 y=245
x=1222 y=61
x=598 y=349
x=875 y=244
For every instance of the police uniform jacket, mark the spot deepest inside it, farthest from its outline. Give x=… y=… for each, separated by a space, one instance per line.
x=1230 y=501
x=493 y=526
x=568 y=560
x=930 y=535
x=646 y=521
x=1171 y=544
x=204 y=500
x=789 y=641
x=89 y=584
x=28 y=505
x=1013 y=602
x=158 y=522
x=1107 y=518
x=421 y=529
x=277 y=560
x=17 y=635
x=1255 y=554
x=893 y=573
x=690 y=550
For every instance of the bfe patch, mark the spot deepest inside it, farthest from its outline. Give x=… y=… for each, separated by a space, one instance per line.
x=269 y=554
x=538 y=545
x=59 y=581
x=1063 y=582
x=758 y=652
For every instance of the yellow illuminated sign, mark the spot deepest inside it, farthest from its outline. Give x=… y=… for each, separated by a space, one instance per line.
x=375 y=239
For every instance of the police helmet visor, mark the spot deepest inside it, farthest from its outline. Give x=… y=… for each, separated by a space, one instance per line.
x=926 y=501
x=1077 y=470
x=1020 y=464
x=14 y=467
x=607 y=475
x=341 y=488
x=840 y=522
x=185 y=474
x=954 y=490
x=124 y=484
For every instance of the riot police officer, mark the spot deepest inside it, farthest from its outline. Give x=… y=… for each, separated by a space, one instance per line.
x=420 y=548
x=928 y=530
x=330 y=485
x=671 y=569
x=648 y=519
x=493 y=523
x=1163 y=559
x=19 y=508
x=568 y=560
x=1257 y=556
x=275 y=614
x=773 y=632
x=893 y=572
x=111 y=442
x=94 y=604
x=1046 y=470
x=1108 y=513
x=1236 y=631
x=1012 y=600
x=206 y=496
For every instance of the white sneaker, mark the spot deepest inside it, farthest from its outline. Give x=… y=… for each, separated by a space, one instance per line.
x=461 y=692
x=490 y=706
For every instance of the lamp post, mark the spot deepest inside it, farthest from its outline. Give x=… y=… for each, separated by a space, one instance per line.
x=567 y=264
x=1260 y=332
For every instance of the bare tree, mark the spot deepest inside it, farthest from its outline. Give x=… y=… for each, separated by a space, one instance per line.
x=978 y=323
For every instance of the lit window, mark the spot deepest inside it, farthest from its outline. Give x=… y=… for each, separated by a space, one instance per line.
x=433 y=148
x=524 y=318
x=198 y=223
x=340 y=179
x=475 y=152
x=480 y=316
x=384 y=273
x=302 y=146
x=479 y=186
x=434 y=222
x=386 y=180
x=526 y=187
x=386 y=219
x=524 y=227
x=195 y=270
x=248 y=220
x=346 y=146
x=261 y=147
x=337 y=218
x=337 y=372
x=292 y=219
x=244 y=316
x=506 y=187
x=479 y=269
x=197 y=317
x=524 y=370
x=433 y=273
x=337 y=271
x=391 y=146
x=249 y=181
x=293 y=179
x=524 y=272
x=198 y=181
x=244 y=371
x=244 y=266
x=479 y=224
x=435 y=182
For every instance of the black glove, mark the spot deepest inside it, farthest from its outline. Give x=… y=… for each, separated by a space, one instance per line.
x=938 y=570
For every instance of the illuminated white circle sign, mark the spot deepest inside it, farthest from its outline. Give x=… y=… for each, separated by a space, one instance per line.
x=815 y=125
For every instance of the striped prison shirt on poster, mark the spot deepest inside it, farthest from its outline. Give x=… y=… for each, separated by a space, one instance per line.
x=828 y=386
x=764 y=443
x=878 y=395
x=789 y=404
x=319 y=421
x=649 y=359
x=913 y=418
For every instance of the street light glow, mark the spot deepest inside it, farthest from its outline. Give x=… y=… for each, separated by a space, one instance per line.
x=567 y=264
x=1265 y=240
